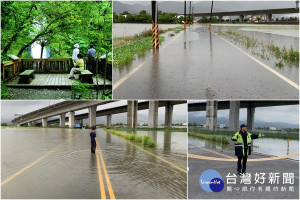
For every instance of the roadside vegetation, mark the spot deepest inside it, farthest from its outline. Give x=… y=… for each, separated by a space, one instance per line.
x=126 y=48
x=214 y=138
x=283 y=56
x=152 y=129
x=4 y=90
x=144 y=17
x=125 y=54
x=145 y=140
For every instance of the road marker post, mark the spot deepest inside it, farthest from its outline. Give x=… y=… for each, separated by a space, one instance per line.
x=155 y=33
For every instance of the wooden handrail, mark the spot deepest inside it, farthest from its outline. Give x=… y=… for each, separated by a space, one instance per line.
x=41 y=64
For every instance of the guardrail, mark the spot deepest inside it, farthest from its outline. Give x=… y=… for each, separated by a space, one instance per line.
x=11 y=69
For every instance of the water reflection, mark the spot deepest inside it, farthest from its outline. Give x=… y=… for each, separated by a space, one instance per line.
x=71 y=170
x=108 y=138
x=167 y=142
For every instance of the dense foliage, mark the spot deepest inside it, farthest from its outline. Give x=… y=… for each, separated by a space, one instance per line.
x=144 y=17
x=57 y=24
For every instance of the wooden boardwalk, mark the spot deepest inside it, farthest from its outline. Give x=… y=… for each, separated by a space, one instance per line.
x=53 y=80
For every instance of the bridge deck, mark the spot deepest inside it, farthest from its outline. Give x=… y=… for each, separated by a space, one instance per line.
x=51 y=80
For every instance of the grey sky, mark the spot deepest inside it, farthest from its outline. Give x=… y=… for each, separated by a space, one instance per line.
x=285 y=114
x=204 y=6
x=10 y=108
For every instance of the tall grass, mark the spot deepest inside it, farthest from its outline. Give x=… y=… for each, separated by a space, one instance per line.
x=283 y=55
x=145 y=140
x=125 y=48
x=125 y=54
x=151 y=129
x=214 y=138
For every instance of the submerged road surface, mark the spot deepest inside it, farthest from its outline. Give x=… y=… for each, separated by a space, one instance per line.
x=57 y=163
x=204 y=158
x=198 y=65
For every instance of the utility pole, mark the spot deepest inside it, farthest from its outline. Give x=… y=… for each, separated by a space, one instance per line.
x=184 y=14
x=211 y=9
x=190 y=13
x=155 y=36
x=193 y=14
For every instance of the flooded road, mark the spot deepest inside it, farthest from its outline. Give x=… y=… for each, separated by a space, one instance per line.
x=57 y=163
x=202 y=66
x=207 y=150
x=261 y=41
x=266 y=146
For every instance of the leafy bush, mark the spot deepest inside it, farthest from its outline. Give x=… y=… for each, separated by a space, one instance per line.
x=81 y=90
x=4 y=90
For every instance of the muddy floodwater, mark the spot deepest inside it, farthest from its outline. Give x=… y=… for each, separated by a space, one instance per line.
x=266 y=146
x=261 y=42
x=57 y=163
x=206 y=65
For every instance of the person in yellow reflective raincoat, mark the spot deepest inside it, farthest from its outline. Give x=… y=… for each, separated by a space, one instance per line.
x=243 y=142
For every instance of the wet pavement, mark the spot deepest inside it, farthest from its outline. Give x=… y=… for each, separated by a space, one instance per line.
x=198 y=166
x=57 y=163
x=200 y=65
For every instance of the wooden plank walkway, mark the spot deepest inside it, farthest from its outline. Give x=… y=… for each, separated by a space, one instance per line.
x=59 y=80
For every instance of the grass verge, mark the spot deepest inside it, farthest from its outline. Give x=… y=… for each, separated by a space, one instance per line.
x=214 y=138
x=125 y=54
x=125 y=48
x=145 y=140
x=152 y=129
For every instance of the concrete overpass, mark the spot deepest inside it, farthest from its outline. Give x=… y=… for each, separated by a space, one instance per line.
x=212 y=106
x=242 y=14
x=60 y=109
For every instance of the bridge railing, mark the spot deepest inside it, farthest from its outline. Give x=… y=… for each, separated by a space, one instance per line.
x=11 y=69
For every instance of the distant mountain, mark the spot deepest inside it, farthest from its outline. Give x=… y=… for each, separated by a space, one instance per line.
x=165 y=6
x=193 y=118
x=200 y=6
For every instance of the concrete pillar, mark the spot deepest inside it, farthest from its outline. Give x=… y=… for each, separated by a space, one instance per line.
x=44 y=122
x=211 y=114
x=168 y=115
x=241 y=18
x=132 y=107
x=220 y=18
x=29 y=124
x=250 y=117
x=153 y=114
x=92 y=116
x=269 y=17
x=108 y=120
x=62 y=120
x=234 y=115
x=71 y=119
